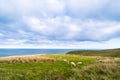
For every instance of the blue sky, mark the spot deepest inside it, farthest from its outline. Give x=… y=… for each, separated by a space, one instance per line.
x=84 y=24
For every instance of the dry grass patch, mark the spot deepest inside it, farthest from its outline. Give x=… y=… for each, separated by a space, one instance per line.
x=24 y=59
x=104 y=69
x=108 y=60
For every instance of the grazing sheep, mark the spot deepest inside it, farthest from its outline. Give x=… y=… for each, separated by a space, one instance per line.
x=79 y=63
x=66 y=61
x=73 y=64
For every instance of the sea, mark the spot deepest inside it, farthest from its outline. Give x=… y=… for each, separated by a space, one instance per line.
x=17 y=52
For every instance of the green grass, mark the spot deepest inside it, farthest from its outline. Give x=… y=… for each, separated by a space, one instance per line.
x=99 y=71
x=33 y=71
x=53 y=67
x=106 y=53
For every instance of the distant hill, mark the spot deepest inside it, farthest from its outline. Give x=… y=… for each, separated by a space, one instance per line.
x=106 y=53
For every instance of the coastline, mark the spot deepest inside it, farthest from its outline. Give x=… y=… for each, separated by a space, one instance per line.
x=31 y=55
x=24 y=58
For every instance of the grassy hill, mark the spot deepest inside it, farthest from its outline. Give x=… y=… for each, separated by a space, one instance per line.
x=106 y=53
x=59 y=67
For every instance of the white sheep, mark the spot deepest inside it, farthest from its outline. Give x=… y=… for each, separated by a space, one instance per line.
x=73 y=64
x=79 y=63
x=65 y=60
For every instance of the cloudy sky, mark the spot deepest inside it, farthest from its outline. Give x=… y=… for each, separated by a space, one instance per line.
x=83 y=24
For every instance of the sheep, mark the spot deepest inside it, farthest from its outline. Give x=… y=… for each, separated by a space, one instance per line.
x=66 y=61
x=73 y=64
x=79 y=63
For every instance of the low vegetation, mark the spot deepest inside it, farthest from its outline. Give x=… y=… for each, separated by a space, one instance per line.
x=105 y=53
x=59 y=67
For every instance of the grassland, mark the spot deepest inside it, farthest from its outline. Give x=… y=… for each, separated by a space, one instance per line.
x=59 y=67
x=105 y=53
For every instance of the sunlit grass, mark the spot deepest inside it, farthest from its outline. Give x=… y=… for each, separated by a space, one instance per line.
x=54 y=67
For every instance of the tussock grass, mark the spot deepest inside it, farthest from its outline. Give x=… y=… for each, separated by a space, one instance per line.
x=25 y=59
x=107 y=70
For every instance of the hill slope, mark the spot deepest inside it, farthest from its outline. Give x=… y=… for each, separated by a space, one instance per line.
x=59 y=67
x=106 y=53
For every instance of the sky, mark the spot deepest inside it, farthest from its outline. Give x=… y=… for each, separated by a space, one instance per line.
x=79 y=24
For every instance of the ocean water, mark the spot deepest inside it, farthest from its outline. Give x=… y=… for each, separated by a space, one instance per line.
x=16 y=52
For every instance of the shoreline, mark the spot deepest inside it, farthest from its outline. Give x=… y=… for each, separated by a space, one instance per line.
x=29 y=55
x=25 y=57
x=19 y=56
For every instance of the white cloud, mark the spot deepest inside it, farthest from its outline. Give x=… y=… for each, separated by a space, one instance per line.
x=74 y=29
x=31 y=8
x=85 y=8
x=1 y=34
x=59 y=22
x=114 y=43
x=59 y=27
x=13 y=42
x=104 y=9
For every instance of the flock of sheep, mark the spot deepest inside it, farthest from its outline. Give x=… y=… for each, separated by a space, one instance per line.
x=72 y=63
